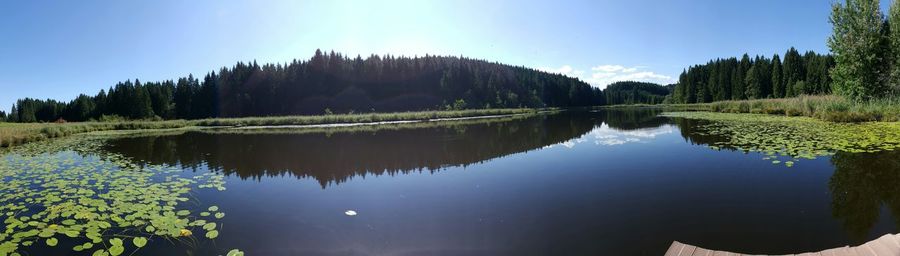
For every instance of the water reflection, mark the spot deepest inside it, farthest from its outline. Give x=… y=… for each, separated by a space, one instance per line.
x=860 y=186
x=613 y=171
x=332 y=158
x=335 y=157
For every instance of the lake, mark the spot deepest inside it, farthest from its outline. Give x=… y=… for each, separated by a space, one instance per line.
x=602 y=182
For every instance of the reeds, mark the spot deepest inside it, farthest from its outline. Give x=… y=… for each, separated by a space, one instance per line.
x=20 y=133
x=828 y=108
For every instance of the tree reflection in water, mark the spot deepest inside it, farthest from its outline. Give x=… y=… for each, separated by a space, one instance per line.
x=861 y=184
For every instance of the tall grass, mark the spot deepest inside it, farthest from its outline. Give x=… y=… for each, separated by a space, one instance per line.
x=20 y=133
x=355 y=118
x=829 y=108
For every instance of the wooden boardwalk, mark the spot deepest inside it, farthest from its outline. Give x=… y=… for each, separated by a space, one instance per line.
x=886 y=245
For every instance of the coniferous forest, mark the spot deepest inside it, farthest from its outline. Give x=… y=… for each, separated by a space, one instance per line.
x=755 y=78
x=326 y=83
x=631 y=92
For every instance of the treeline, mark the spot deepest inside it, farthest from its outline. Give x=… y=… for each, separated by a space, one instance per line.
x=326 y=83
x=755 y=78
x=632 y=92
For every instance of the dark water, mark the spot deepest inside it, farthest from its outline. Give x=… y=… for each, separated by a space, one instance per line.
x=575 y=183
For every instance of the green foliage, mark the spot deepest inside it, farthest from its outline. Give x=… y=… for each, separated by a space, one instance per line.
x=459 y=104
x=861 y=49
x=894 y=38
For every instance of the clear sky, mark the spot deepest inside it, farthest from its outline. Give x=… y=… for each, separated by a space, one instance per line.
x=59 y=49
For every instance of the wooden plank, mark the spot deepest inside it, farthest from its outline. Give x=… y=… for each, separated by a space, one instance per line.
x=687 y=250
x=702 y=252
x=723 y=253
x=832 y=252
x=882 y=246
x=865 y=250
x=889 y=242
x=673 y=248
x=895 y=239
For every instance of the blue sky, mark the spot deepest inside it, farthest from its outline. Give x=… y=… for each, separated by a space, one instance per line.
x=60 y=49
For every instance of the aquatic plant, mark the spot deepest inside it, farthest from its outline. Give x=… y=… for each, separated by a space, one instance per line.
x=102 y=202
x=794 y=138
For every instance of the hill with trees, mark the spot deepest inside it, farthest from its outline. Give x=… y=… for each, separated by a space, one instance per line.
x=326 y=83
x=632 y=92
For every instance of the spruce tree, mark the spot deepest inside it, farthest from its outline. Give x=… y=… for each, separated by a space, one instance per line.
x=777 y=78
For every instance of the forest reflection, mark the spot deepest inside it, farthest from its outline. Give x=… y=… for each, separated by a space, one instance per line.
x=334 y=157
x=861 y=185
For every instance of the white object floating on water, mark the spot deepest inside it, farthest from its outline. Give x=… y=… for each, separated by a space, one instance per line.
x=350 y=213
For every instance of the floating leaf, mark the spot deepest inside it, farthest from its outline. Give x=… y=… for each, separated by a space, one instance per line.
x=139 y=241
x=52 y=241
x=235 y=252
x=116 y=250
x=220 y=215
x=97 y=195
x=212 y=234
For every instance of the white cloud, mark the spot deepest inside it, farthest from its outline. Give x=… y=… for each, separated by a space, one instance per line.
x=613 y=69
x=564 y=70
x=603 y=75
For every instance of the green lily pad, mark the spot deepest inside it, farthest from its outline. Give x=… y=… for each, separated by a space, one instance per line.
x=52 y=241
x=235 y=252
x=212 y=234
x=139 y=241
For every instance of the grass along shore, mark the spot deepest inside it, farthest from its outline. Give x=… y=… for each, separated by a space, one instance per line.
x=828 y=108
x=20 y=133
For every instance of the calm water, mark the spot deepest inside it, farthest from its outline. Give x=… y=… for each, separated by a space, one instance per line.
x=575 y=183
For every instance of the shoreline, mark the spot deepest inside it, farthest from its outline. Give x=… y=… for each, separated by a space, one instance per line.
x=14 y=134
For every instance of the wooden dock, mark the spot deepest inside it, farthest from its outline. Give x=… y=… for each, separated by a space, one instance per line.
x=885 y=245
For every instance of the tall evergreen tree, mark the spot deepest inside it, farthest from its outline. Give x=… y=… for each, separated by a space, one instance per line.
x=777 y=78
x=793 y=72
